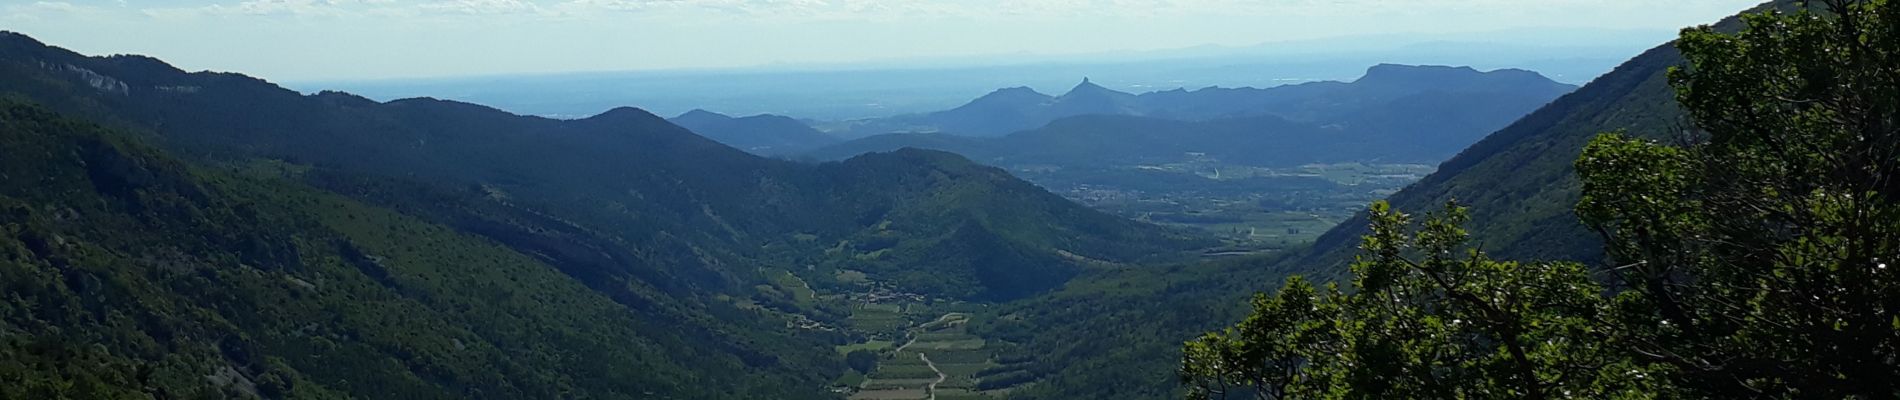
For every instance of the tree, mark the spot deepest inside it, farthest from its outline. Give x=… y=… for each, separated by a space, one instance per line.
x=1754 y=257
x=1751 y=259
x=1265 y=354
x=861 y=360
x=1427 y=318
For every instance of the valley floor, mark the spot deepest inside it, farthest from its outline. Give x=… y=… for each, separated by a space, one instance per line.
x=939 y=360
x=1252 y=209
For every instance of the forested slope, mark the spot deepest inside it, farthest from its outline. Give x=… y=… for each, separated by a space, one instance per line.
x=1520 y=184
x=129 y=274
x=459 y=251
x=683 y=211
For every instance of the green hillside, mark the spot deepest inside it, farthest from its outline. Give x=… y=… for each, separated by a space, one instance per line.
x=1519 y=183
x=171 y=234
x=669 y=209
x=130 y=274
x=765 y=135
x=475 y=253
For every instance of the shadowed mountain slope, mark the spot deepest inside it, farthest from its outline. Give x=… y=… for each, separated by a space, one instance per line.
x=1519 y=183
x=664 y=227
x=134 y=275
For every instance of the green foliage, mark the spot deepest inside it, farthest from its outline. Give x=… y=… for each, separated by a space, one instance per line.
x=1520 y=184
x=622 y=199
x=1240 y=359
x=1117 y=340
x=1107 y=333
x=129 y=275
x=1450 y=324
x=861 y=360
x=1756 y=258
x=941 y=225
x=485 y=254
x=1750 y=261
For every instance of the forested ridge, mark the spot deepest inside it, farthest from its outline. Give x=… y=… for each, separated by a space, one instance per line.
x=130 y=274
x=1712 y=219
x=249 y=239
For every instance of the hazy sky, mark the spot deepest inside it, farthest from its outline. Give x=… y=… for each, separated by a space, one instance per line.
x=291 y=40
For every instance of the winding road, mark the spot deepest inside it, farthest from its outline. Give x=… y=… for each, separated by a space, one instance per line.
x=940 y=376
x=932 y=389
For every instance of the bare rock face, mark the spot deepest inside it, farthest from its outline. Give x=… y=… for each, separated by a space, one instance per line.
x=96 y=80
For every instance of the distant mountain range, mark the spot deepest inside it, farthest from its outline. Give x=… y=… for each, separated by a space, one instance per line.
x=1017 y=109
x=873 y=89
x=1395 y=114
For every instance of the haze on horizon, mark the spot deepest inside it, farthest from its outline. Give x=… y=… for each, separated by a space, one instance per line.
x=314 y=40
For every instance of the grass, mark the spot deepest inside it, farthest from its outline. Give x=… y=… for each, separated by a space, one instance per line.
x=942 y=336
x=961 y=344
x=904 y=371
x=902 y=358
x=878 y=324
x=851 y=378
x=852 y=276
x=875 y=318
x=960 y=357
x=800 y=293
x=906 y=383
x=960 y=394
x=892 y=394
x=1356 y=173
x=879 y=308
x=960 y=375
x=874 y=345
x=948 y=322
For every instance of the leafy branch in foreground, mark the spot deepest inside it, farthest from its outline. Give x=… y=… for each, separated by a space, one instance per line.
x=1752 y=261
x=1758 y=256
x=1428 y=318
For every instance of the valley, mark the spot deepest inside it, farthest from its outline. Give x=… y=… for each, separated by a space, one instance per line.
x=777 y=272
x=1261 y=169
x=1251 y=209
x=1711 y=219
x=940 y=360
x=920 y=347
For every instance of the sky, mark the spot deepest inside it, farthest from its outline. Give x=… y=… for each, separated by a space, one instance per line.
x=315 y=40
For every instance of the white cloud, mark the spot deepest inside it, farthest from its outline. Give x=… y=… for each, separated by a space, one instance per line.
x=309 y=39
x=1066 y=8
x=256 y=8
x=348 y=8
x=39 y=10
x=887 y=10
x=481 y=7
